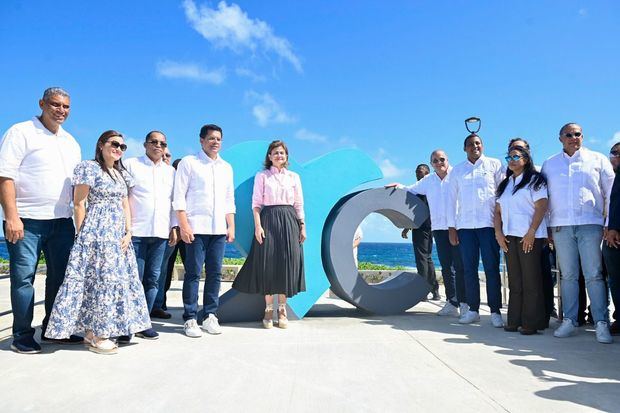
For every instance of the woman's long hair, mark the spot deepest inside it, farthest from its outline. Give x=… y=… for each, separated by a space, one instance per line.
x=531 y=177
x=105 y=137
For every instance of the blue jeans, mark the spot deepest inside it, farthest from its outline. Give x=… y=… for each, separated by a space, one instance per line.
x=574 y=244
x=207 y=250
x=53 y=237
x=451 y=267
x=473 y=243
x=149 y=254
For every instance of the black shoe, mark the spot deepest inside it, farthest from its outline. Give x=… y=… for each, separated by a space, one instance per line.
x=148 y=334
x=26 y=346
x=511 y=329
x=160 y=313
x=71 y=340
x=123 y=339
x=436 y=296
x=528 y=331
x=614 y=328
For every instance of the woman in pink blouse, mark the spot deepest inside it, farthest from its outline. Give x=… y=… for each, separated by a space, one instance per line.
x=275 y=264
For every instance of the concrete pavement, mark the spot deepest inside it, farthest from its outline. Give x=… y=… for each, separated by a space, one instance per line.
x=334 y=360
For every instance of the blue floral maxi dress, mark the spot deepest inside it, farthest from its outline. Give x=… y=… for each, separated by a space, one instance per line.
x=101 y=292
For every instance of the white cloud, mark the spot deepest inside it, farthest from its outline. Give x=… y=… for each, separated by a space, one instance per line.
x=309 y=136
x=615 y=139
x=230 y=27
x=135 y=148
x=243 y=72
x=266 y=110
x=389 y=169
x=191 y=71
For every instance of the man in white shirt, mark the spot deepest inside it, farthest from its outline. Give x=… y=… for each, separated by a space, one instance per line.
x=579 y=183
x=204 y=200
x=37 y=158
x=436 y=189
x=150 y=201
x=471 y=209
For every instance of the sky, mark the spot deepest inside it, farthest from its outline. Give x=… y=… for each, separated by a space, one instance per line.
x=395 y=79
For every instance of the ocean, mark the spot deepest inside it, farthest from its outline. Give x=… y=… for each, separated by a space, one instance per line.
x=385 y=253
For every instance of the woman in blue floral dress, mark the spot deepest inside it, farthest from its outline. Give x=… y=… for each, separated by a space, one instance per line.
x=101 y=294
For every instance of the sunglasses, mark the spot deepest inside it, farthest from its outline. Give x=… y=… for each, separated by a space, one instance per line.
x=167 y=155
x=514 y=158
x=117 y=145
x=438 y=160
x=614 y=154
x=570 y=135
x=159 y=143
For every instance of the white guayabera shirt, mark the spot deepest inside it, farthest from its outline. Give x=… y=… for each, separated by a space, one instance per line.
x=204 y=189
x=150 y=199
x=437 y=193
x=41 y=164
x=472 y=193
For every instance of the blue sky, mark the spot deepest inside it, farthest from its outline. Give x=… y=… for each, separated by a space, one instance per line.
x=395 y=79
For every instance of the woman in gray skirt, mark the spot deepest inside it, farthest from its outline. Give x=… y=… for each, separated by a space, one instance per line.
x=275 y=264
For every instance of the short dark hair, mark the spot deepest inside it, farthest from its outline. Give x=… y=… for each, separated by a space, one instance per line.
x=204 y=131
x=423 y=166
x=273 y=145
x=471 y=135
x=148 y=135
x=567 y=125
x=614 y=145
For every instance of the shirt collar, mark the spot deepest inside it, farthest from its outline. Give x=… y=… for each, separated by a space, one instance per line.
x=516 y=180
x=576 y=155
x=147 y=161
x=478 y=161
x=203 y=156
x=42 y=129
x=275 y=170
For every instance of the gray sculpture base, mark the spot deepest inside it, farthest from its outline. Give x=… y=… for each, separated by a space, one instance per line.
x=238 y=307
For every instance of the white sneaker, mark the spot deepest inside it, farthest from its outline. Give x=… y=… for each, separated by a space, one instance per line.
x=191 y=329
x=602 y=333
x=566 y=329
x=211 y=325
x=449 y=310
x=469 y=317
x=463 y=309
x=496 y=320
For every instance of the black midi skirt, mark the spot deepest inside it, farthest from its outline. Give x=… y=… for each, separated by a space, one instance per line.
x=277 y=265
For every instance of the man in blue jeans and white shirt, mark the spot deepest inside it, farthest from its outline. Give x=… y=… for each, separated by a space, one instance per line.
x=37 y=158
x=579 y=182
x=153 y=221
x=471 y=209
x=204 y=200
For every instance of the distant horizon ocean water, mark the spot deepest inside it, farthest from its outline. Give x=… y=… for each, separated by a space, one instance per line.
x=384 y=253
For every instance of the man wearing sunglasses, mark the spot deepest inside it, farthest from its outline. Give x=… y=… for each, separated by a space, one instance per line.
x=471 y=210
x=579 y=183
x=37 y=158
x=153 y=221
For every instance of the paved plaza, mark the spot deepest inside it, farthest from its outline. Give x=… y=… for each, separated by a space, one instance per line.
x=334 y=360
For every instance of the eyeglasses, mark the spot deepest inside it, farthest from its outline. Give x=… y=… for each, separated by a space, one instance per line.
x=570 y=135
x=159 y=143
x=117 y=145
x=614 y=154
x=438 y=160
x=167 y=155
x=514 y=158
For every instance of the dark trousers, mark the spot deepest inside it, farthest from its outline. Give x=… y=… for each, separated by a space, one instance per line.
x=422 y=249
x=167 y=267
x=473 y=243
x=53 y=237
x=526 y=303
x=149 y=254
x=207 y=250
x=611 y=257
x=451 y=267
x=547 y=279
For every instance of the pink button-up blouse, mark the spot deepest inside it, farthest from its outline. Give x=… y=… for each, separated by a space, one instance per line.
x=278 y=187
